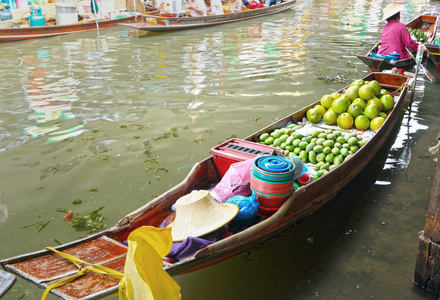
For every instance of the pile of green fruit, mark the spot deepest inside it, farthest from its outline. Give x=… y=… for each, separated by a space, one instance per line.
x=418 y=34
x=364 y=105
x=326 y=149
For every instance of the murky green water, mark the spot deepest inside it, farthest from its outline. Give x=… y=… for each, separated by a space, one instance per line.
x=118 y=120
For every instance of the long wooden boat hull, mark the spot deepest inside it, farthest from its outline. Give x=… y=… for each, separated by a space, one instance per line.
x=204 y=175
x=428 y=23
x=164 y=23
x=24 y=33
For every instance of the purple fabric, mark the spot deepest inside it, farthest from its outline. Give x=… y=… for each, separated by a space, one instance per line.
x=395 y=36
x=190 y=245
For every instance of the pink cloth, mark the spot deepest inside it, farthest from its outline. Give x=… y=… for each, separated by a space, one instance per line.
x=394 y=38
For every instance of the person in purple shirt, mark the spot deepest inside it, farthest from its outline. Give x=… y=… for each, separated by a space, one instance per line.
x=395 y=36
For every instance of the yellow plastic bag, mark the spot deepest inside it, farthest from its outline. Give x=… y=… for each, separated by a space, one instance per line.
x=144 y=276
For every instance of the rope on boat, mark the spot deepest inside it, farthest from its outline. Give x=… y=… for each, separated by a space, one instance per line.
x=402 y=86
x=82 y=270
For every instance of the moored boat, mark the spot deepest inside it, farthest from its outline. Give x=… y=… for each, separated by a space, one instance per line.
x=19 y=29
x=107 y=248
x=434 y=54
x=162 y=22
x=377 y=62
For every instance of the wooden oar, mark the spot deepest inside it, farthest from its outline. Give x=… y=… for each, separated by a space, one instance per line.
x=418 y=63
x=428 y=74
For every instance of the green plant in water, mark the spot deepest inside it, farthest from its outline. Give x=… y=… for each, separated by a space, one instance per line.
x=90 y=222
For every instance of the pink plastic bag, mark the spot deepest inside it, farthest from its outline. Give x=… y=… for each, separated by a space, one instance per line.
x=235 y=182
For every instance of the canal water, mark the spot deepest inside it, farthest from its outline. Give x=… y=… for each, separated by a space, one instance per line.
x=105 y=123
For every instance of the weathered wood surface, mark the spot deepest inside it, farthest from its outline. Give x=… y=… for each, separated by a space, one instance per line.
x=427 y=270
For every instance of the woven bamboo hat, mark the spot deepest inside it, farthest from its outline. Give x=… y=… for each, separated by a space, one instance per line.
x=198 y=214
x=391 y=10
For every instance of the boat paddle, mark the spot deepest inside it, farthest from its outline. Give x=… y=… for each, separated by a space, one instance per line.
x=418 y=63
x=94 y=8
x=428 y=74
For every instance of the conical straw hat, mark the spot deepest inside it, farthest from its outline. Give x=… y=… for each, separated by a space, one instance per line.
x=198 y=214
x=391 y=10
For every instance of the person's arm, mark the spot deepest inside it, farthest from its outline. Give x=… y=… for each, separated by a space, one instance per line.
x=407 y=40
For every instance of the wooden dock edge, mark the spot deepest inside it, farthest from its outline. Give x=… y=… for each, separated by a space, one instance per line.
x=427 y=268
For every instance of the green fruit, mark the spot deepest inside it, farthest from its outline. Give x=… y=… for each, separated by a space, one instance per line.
x=310 y=147
x=328 y=143
x=336 y=151
x=277 y=142
x=355 y=110
x=376 y=101
x=290 y=140
x=312 y=157
x=264 y=137
x=344 y=152
x=387 y=102
x=296 y=142
x=340 y=105
x=307 y=139
x=338 y=159
x=329 y=158
x=297 y=150
x=362 y=122
x=290 y=148
x=320 y=141
x=372 y=111
x=313 y=115
x=321 y=109
x=327 y=150
x=341 y=139
x=320 y=157
x=352 y=141
x=325 y=166
x=327 y=101
x=303 y=145
x=330 y=117
x=315 y=133
x=352 y=92
x=366 y=92
x=319 y=165
x=303 y=156
x=269 y=140
x=318 y=149
x=323 y=135
x=331 y=136
x=345 y=121
x=360 y=102
x=376 y=87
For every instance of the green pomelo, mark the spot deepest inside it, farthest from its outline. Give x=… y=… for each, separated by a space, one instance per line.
x=387 y=102
x=330 y=117
x=355 y=110
x=366 y=92
x=362 y=122
x=352 y=92
x=372 y=111
x=340 y=105
x=314 y=115
x=327 y=101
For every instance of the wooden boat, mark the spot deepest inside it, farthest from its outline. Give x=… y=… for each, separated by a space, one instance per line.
x=20 y=30
x=44 y=268
x=427 y=23
x=434 y=54
x=161 y=22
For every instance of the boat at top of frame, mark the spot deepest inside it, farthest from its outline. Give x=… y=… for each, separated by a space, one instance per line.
x=162 y=21
x=20 y=29
x=107 y=248
x=427 y=23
